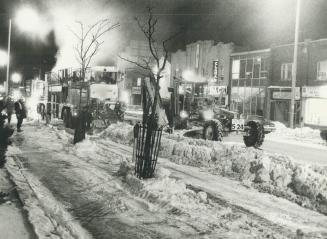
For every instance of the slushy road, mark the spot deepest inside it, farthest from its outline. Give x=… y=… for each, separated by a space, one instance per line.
x=301 y=152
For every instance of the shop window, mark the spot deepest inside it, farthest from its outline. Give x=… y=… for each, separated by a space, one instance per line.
x=322 y=70
x=256 y=71
x=286 y=71
x=139 y=81
x=264 y=67
x=249 y=65
x=242 y=69
x=236 y=69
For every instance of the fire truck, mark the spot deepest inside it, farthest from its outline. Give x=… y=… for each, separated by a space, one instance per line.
x=96 y=92
x=38 y=98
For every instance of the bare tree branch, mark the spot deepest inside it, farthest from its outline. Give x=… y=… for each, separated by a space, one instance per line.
x=146 y=67
x=89 y=42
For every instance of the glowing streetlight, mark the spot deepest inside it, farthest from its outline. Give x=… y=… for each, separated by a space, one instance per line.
x=3 y=58
x=28 y=20
x=16 y=78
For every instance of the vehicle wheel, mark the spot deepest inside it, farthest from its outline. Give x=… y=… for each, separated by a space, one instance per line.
x=67 y=118
x=323 y=134
x=42 y=111
x=213 y=130
x=255 y=135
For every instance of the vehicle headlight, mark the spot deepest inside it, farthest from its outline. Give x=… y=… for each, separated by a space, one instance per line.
x=75 y=112
x=183 y=114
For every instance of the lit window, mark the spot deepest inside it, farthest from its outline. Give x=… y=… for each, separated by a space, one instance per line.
x=139 y=82
x=236 y=69
x=286 y=71
x=322 y=70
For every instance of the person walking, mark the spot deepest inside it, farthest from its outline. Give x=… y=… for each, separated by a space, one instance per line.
x=10 y=108
x=20 y=113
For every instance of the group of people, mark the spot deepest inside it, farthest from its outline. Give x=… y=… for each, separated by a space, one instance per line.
x=11 y=106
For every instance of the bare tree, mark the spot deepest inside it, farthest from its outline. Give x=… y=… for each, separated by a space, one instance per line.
x=153 y=67
x=89 y=40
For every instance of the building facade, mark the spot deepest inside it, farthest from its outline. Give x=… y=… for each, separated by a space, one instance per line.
x=311 y=83
x=314 y=88
x=249 y=79
x=202 y=70
x=138 y=51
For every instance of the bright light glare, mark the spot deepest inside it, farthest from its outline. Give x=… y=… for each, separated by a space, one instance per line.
x=2 y=89
x=27 y=19
x=16 y=77
x=183 y=114
x=181 y=90
x=208 y=114
x=3 y=58
x=124 y=96
x=16 y=94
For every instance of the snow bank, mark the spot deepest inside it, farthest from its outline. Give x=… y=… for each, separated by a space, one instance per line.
x=172 y=196
x=273 y=173
x=305 y=134
x=119 y=133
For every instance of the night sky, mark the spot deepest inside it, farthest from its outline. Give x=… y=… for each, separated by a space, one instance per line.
x=253 y=24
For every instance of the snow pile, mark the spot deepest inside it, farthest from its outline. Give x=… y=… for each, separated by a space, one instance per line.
x=273 y=173
x=119 y=133
x=171 y=196
x=304 y=134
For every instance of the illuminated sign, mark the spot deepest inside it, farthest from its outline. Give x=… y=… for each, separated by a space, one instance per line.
x=55 y=88
x=286 y=95
x=314 y=91
x=215 y=70
x=104 y=91
x=217 y=90
x=136 y=90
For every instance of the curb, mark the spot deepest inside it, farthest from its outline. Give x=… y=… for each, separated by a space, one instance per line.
x=48 y=216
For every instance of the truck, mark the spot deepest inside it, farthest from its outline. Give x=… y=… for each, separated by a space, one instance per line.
x=199 y=106
x=96 y=92
x=38 y=98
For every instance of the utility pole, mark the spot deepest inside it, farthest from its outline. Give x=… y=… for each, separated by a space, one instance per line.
x=294 y=68
x=8 y=59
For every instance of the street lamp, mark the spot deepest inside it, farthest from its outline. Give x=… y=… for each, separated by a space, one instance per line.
x=16 y=78
x=294 y=68
x=27 y=20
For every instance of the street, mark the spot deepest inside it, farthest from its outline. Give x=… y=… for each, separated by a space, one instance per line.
x=148 y=119
x=84 y=180
x=301 y=152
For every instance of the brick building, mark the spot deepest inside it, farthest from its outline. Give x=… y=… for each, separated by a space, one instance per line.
x=311 y=83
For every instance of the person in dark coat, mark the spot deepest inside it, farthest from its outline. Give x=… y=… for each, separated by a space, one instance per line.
x=81 y=125
x=5 y=133
x=20 y=113
x=10 y=108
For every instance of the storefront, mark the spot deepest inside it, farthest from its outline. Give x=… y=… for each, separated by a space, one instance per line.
x=280 y=102
x=249 y=81
x=314 y=101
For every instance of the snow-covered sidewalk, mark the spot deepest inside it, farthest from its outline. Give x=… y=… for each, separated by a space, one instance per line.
x=13 y=219
x=88 y=180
